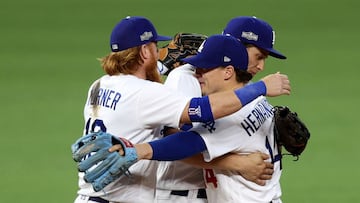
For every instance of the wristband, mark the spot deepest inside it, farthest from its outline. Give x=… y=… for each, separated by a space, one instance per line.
x=250 y=92
x=200 y=110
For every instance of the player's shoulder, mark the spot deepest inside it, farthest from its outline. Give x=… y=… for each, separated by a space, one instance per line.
x=183 y=68
x=181 y=71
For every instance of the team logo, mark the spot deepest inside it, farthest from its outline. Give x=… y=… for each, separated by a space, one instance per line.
x=195 y=112
x=114 y=46
x=146 y=36
x=250 y=36
x=227 y=59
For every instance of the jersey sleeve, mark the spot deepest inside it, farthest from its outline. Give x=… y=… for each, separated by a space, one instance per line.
x=183 y=81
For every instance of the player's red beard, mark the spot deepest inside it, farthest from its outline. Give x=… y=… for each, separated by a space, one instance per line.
x=152 y=72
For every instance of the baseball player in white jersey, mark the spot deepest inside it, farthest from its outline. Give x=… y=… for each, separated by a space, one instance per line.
x=130 y=101
x=171 y=174
x=248 y=130
x=177 y=181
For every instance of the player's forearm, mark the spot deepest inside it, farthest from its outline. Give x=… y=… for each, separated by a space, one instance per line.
x=221 y=104
x=233 y=162
x=177 y=146
x=170 y=148
x=225 y=162
x=197 y=161
x=144 y=151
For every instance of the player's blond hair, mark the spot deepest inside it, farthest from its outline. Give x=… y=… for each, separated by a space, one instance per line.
x=125 y=62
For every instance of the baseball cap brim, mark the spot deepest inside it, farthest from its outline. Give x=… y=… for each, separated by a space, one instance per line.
x=163 y=38
x=199 y=61
x=276 y=54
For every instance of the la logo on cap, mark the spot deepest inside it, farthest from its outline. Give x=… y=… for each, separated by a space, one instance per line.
x=146 y=36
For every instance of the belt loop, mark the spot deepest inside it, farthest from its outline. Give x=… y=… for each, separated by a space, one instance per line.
x=201 y=194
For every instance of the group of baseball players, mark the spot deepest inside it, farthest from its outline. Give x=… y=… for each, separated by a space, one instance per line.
x=206 y=133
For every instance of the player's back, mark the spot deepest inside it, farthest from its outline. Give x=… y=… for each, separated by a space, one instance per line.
x=134 y=109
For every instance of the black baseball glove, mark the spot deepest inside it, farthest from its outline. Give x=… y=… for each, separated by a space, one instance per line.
x=182 y=46
x=290 y=131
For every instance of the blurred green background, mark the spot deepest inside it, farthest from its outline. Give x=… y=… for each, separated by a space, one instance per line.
x=48 y=53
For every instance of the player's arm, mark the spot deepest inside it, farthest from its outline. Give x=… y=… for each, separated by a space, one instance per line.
x=169 y=148
x=253 y=167
x=214 y=106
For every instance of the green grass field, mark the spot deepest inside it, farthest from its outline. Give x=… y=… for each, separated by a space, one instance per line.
x=48 y=56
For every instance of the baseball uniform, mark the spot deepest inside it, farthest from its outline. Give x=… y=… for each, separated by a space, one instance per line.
x=132 y=108
x=248 y=130
x=178 y=181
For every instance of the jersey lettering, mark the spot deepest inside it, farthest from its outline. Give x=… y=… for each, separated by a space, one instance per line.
x=209 y=126
x=108 y=98
x=95 y=126
x=210 y=177
x=254 y=120
x=274 y=157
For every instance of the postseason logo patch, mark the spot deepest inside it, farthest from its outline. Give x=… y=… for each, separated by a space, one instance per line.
x=250 y=36
x=146 y=36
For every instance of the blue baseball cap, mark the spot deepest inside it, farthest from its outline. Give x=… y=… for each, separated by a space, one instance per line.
x=220 y=50
x=254 y=31
x=132 y=32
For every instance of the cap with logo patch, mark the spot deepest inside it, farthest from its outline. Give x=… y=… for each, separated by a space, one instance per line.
x=134 y=31
x=254 y=31
x=220 y=50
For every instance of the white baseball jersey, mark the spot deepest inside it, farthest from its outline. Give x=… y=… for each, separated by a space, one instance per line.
x=177 y=175
x=248 y=130
x=135 y=109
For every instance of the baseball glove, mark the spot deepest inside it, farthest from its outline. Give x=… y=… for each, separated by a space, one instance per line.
x=290 y=131
x=182 y=46
x=102 y=167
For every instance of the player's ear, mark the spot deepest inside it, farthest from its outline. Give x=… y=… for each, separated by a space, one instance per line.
x=229 y=72
x=144 y=51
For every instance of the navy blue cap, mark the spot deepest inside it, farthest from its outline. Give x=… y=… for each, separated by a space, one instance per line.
x=132 y=32
x=220 y=50
x=253 y=31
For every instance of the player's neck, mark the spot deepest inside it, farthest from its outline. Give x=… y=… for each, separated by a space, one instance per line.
x=140 y=73
x=236 y=86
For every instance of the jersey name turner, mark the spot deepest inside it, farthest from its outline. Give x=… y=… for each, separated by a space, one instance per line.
x=108 y=98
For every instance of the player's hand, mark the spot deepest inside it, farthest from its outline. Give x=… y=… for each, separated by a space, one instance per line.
x=255 y=168
x=143 y=150
x=118 y=148
x=277 y=84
